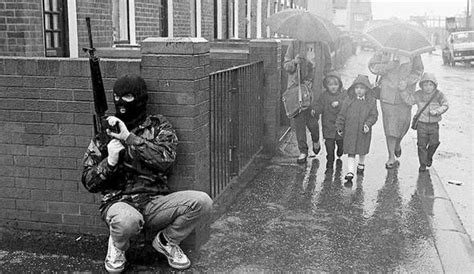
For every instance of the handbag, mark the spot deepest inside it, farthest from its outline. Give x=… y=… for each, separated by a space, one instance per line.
x=297 y=98
x=414 y=122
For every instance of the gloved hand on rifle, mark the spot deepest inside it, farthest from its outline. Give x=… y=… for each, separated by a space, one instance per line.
x=114 y=147
x=123 y=134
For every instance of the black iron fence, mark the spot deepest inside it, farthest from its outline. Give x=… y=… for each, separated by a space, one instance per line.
x=236 y=121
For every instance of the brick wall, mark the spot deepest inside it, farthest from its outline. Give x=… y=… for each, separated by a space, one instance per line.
x=100 y=12
x=21 y=29
x=45 y=114
x=147 y=19
x=229 y=53
x=181 y=18
x=207 y=14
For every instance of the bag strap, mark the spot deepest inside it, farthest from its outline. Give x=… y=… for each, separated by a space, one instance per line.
x=418 y=114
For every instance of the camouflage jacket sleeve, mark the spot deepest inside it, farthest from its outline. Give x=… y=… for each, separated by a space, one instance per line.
x=159 y=152
x=96 y=170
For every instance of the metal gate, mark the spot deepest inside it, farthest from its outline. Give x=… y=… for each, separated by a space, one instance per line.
x=236 y=121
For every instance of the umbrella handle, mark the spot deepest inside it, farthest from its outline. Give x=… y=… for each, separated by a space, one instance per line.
x=300 y=96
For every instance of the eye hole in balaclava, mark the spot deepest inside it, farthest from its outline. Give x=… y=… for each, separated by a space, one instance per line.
x=130 y=98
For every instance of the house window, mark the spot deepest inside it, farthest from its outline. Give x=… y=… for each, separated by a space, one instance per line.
x=164 y=18
x=120 y=21
x=55 y=28
x=195 y=10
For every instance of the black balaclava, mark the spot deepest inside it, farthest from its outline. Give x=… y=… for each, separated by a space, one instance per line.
x=135 y=111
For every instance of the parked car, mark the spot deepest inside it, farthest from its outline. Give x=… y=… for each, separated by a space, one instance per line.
x=459 y=48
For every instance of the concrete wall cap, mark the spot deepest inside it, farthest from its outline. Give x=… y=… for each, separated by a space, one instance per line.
x=175 y=45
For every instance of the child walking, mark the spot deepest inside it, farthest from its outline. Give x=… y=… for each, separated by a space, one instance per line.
x=428 y=122
x=329 y=105
x=354 y=122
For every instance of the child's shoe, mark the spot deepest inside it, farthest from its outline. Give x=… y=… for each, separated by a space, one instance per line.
x=302 y=158
x=338 y=164
x=360 y=169
x=316 y=147
x=349 y=176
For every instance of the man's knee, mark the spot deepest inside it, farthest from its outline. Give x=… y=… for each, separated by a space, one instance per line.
x=203 y=201
x=126 y=223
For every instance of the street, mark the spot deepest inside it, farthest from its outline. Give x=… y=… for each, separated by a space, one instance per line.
x=296 y=218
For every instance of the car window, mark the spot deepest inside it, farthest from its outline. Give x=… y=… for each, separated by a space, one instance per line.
x=463 y=37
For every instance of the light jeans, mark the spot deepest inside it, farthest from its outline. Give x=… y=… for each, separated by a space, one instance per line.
x=177 y=214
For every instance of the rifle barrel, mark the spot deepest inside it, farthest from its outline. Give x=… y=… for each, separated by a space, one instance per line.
x=89 y=31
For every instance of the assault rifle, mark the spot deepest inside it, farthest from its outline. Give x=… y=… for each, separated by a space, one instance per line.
x=100 y=100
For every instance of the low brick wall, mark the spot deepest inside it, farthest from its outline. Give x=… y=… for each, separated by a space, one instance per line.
x=45 y=114
x=229 y=53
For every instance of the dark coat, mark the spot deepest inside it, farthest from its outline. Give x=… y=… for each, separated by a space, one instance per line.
x=353 y=116
x=150 y=150
x=328 y=112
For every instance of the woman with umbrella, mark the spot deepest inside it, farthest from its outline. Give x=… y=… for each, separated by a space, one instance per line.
x=399 y=65
x=310 y=55
x=400 y=74
x=314 y=60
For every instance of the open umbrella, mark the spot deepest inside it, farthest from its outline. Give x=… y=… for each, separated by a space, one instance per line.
x=398 y=36
x=303 y=25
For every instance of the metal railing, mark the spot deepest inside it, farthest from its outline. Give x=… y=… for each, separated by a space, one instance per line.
x=236 y=121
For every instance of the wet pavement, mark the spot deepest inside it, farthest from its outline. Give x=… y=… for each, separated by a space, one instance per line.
x=299 y=218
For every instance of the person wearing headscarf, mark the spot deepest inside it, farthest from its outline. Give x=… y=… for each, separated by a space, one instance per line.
x=398 y=74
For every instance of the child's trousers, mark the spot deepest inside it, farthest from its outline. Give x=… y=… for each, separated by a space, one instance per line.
x=331 y=146
x=428 y=142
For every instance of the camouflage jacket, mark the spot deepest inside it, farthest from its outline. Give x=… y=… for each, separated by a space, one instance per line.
x=150 y=150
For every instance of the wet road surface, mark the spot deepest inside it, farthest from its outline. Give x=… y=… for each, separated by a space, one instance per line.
x=297 y=218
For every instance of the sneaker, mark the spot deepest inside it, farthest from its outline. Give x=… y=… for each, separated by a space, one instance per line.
x=302 y=158
x=175 y=255
x=398 y=153
x=360 y=169
x=115 y=259
x=422 y=168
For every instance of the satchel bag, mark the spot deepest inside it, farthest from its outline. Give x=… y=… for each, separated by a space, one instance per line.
x=416 y=118
x=297 y=98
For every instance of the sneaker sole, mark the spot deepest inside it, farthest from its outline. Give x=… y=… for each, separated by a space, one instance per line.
x=164 y=253
x=113 y=270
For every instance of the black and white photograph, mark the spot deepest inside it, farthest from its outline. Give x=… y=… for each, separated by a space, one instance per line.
x=236 y=136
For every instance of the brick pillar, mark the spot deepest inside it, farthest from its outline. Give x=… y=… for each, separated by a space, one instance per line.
x=176 y=71
x=269 y=50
